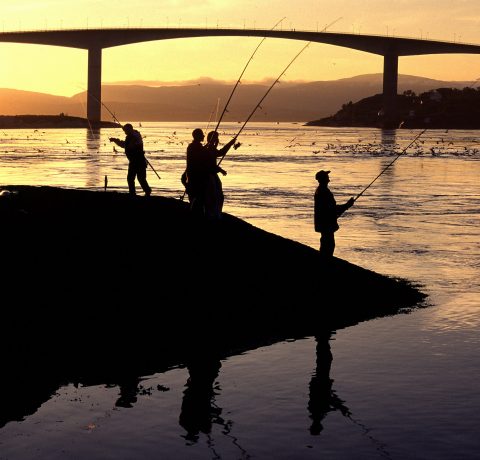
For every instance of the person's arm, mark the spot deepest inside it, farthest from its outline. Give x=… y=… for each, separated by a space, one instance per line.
x=117 y=141
x=221 y=170
x=341 y=208
x=223 y=151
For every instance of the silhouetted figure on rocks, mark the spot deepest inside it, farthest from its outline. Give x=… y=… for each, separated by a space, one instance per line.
x=214 y=192
x=137 y=163
x=326 y=213
x=196 y=173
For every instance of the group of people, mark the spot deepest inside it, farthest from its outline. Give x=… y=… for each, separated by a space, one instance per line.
x=202 y=183
x=204 y=187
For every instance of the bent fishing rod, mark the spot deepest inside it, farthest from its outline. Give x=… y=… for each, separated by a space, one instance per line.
x=241 y=75
x=215 y=109
x=116 y=119
x=233 y=90
x=390 y=164
x=266 y=94
x=274 y=83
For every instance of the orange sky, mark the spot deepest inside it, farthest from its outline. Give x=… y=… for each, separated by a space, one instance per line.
x=62 y=71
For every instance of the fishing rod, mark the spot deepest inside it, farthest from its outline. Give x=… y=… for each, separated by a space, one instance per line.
x=233 y=90
x=241 y=75
x=275 y=82
x=211 y=113
x=390 y=164
x=266 y=94
x=116 y=119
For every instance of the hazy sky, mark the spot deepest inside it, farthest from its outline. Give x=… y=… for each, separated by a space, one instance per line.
x=63 y=71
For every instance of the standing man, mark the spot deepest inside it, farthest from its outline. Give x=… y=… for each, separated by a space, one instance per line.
x=137 y=163
x=214 y=197
x=326 y=213
x=195 y=174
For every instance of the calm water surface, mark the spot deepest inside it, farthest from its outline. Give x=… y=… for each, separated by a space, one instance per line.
x=403 y=387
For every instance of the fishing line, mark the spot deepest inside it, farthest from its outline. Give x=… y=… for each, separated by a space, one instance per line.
x=121 y=125
x=241 y=75
x=233 y=91
x=211 y=113
x=390 y=164
x=84 y=110
x=274 y=83
x=266 y=94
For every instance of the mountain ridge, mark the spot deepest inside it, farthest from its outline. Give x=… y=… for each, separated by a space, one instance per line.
x=197 y=100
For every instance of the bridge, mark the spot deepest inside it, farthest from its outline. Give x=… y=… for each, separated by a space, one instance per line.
x=95 y=40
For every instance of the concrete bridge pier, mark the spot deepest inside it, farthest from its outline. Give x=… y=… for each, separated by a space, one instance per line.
x=94 y=96
x=390 y=86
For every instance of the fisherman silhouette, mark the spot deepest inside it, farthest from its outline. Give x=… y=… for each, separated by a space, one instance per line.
x=202 y=185
x=326 y=213
x=322 y=399
x=197 y=412
x=194 y=175
x=214 y=197
x=137 y=163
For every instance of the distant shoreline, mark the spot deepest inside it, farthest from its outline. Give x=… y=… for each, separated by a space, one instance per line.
x=49 y=121
x=442 y=108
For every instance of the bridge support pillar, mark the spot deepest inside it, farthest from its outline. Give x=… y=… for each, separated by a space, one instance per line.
x=390 y=85
x=94 y=96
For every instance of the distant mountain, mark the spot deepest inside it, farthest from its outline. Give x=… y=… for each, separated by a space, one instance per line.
x=443 y=108
x=287 y=101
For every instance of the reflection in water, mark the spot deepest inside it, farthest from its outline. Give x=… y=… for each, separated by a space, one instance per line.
x=128 y=391
x=93 y=171
x=198 y=408
x=322 y=398
x=93 y=139
x=389 y=139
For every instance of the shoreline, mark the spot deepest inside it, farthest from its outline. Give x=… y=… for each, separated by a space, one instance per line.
x=105 y=287
x=68 y=228
x=49 y=121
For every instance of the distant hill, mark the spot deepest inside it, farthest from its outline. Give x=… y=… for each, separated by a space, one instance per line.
x=442 y=108
x=197 y=101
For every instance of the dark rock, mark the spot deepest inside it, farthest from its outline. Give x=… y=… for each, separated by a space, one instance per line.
x=103 y=287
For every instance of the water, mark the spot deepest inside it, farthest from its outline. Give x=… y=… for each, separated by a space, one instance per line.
x=403 y=387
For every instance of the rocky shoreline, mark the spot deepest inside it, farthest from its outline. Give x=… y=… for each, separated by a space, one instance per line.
x=443 y=108
x=69 y=240
x=103 y=287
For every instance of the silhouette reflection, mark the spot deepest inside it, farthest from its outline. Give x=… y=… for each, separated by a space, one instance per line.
x=198 y=410
x=93 y=139
x=389 y=140
x=93 y=166
x=322 y=398
x=128 y=391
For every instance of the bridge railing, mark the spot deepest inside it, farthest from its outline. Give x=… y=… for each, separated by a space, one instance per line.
x=256 y=29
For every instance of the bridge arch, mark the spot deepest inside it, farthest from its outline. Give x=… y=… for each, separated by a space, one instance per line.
x=95 y=40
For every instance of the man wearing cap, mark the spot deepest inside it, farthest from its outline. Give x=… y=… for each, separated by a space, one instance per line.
x=137 y=163
x=326 y=213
